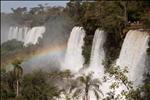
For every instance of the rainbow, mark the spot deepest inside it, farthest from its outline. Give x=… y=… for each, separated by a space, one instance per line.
x=49 y=51
x=41 y=52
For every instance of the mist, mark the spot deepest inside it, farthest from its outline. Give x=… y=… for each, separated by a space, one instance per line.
x=58 y=29
x=6 y=22
x=57 y=33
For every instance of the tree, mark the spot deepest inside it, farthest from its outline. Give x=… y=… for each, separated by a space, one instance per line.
x=11 y=46
x=19 y=14
x=86 y=84
x=120 y=76
x=7 y=85
x=146 y=20
x=69 y=84
x=68 y=90
x=18 y=71
x=37 y=86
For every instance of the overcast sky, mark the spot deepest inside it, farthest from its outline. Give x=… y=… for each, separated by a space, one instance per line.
x=7 y=5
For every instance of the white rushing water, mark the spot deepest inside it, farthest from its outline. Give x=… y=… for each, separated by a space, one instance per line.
x=97 y=54
x=133 y=55
x=73 y=58
x=26 y=35
x=17 y=33
x=34 y=34
x=97 y=57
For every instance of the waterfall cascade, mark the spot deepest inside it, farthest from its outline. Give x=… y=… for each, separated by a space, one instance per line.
x=73 y=58
x=26 y=35
x=97 y=54
x=133 y=55
x=33 y=35
x=17 y=33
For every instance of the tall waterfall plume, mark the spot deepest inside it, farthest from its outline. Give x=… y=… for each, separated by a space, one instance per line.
x=73 y=58
x=97 y=54
x=133 y=55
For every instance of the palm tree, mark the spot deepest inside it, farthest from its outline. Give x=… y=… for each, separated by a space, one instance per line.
x=86 y=84
x=18 y=71
x=67 y=91
x=70 y=83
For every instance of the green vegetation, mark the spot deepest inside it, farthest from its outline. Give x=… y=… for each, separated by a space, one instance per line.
x=40 y=85
x=111 y=16
x=13 y=49
x=35 y=16
x=18 y=71
x=87 y=83
x=11 y=46
x=34 y=86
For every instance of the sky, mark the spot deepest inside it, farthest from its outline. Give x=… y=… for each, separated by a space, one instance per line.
x=7 y=5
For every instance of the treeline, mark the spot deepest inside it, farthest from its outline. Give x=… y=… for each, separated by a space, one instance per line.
x=108 y=14
x=34 y=16
x=89 y=14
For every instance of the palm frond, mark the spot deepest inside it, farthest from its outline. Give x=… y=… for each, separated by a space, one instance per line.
x=82 y=79
x=96 y=94
x=77 y=93
x=98 y=90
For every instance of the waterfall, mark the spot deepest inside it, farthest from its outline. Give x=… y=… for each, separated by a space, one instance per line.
x=10 y=33
x=133 y=55
x=20 y=34
x=26 y=35
x=17 y=33
x=33 y=35
x=25 y=31
x=73 y=58
x=97 y=54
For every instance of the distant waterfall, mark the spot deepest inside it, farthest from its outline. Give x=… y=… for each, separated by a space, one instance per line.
x=26 y=35
x=74 y=59
x=10 y=33
x=17 y=33
x=33 y=35
x=97 y=54
x=133 y=55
